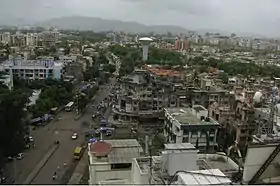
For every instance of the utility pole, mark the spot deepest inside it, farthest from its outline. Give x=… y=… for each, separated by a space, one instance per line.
x=151 y=162
x=77 y=100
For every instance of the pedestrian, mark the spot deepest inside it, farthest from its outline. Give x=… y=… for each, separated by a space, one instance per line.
x=54 y=175
x=58 y=167
x=65 y=164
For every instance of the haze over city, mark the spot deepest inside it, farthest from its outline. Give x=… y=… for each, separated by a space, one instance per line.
x=249 y=16
x=139 y=92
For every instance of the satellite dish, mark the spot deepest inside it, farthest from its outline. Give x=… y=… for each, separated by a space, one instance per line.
x=257 y=97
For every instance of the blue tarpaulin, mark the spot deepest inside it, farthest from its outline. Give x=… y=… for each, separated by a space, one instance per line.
x=92 y=140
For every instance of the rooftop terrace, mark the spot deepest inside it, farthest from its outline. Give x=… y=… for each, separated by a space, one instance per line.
x=121 y=151
x=190 y=116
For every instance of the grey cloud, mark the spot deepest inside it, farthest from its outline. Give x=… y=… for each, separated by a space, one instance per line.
x=256 y=16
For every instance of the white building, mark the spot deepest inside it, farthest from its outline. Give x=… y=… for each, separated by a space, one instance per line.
x=67 y=59
x=204 y=177
x=191 y=125
x=33 y=69
x=182 y=157
x=110 y=161
x=31 y=39
x=6 y=38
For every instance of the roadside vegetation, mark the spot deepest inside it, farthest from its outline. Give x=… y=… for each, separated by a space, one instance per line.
x=131 y=57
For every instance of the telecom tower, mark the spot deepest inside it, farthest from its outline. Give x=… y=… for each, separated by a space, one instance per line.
x=145 y=42
x=268 y=128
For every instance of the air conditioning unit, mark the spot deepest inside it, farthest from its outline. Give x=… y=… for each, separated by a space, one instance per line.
x=113 y=182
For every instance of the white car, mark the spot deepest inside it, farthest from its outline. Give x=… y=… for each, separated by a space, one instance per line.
x=20 y=156
x=74 y=136
x=108 y=133
x=31 y=139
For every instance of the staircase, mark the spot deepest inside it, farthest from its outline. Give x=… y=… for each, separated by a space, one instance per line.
x=265 y=165
x=237 y=177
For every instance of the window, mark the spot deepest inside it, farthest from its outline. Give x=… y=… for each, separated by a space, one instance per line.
x=119 y=166
x=194 y=133
x=185 y=132
x=185 y=139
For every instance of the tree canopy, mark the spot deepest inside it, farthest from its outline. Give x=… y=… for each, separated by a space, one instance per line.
x=12 y=126
x=54 y=94
x=164 y=57
x=235 y=67
x=131 y=57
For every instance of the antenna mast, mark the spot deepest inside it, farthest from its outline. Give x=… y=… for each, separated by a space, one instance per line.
x=274 y=101
x=151 y=161
x=268 y=128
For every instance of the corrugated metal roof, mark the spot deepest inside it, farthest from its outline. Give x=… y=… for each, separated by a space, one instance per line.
x=124 y=150
x=200 y=179
x=124 y=155
x=124 y=143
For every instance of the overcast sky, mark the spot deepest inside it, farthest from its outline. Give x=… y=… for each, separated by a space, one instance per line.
x=246 y=16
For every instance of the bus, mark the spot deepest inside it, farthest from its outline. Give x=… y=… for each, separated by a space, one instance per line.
x=69 y=106
x=78 y=153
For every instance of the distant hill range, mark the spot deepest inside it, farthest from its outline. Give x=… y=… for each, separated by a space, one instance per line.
x=99 y=25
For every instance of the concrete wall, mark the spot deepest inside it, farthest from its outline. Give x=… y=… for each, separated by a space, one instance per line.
x=256 y=156
x=103 y=172
x=138 y=177
x=179 y=160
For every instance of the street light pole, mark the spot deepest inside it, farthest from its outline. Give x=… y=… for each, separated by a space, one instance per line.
x=77 y=99
x=15 y=169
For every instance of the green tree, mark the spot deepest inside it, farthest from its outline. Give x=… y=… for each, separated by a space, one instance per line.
x=82 y=101
x=52 y=49
x=12 y=126
x=224 y=77
x=54 y=94
x=111 y=68
x=158 y=142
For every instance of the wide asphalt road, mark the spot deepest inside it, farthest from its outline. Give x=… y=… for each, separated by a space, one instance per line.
x=64 y=153
x=44 y=137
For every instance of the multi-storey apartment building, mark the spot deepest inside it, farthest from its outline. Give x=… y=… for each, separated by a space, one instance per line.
x=142 y=98
x=182 y=125
x=33 y=69
x=5 y=38
x=49 y=37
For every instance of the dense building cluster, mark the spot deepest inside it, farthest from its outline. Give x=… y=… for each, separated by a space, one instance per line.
x=162 y=109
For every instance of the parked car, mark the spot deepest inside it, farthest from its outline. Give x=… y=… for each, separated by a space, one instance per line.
x=108 y=133
x=31 y=139
x=74 y=136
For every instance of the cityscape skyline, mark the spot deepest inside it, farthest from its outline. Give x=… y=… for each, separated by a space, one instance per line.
x=229 y=16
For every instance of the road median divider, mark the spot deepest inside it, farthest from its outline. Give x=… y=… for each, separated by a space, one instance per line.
x=40 y=165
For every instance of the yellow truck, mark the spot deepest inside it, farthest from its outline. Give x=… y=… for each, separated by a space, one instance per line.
x=78 y=153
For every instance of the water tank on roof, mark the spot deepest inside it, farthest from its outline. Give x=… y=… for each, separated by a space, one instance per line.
x=278 y=108
x=257 y=97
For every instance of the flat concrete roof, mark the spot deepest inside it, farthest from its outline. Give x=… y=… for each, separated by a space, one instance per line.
x=200 y=179
x=179 y=146
x=216 y=161
x=185 y=116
